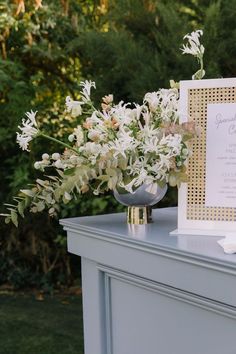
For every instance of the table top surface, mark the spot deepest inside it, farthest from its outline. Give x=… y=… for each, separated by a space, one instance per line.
x=154 y=236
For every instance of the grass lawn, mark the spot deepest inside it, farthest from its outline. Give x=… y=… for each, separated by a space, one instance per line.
x=51 y=326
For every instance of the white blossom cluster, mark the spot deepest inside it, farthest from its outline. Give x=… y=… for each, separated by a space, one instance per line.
x=125 y=145
x=195 y=48
x=120 y=146
x=29 y=130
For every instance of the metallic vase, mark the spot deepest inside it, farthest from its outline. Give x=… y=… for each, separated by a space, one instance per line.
x=140 y=201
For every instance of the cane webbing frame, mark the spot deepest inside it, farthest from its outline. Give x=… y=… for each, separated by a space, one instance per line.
x=198 y=99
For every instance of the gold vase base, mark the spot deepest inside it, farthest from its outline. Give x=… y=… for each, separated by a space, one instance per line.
x=139 y=215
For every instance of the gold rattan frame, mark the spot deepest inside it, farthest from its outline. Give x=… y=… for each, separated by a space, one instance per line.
x=198 y=99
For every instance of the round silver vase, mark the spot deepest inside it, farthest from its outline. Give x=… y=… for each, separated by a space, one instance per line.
x=139 y=202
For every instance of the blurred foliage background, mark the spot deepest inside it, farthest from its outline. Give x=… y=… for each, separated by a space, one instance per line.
x=47 y=47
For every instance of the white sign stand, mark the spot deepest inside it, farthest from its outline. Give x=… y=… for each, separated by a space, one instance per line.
x=207 y=203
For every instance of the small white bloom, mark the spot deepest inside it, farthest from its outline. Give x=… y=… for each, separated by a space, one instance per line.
x=94 y=135
x=87 y=85
x=193 y=46
x=79 y=135
x=73 y=107
x=108 y=99
x=74 y=159
x=173 y=142
x=45 y=157
x=59 y=164
x=91 y=148
x=37 y=165
x=31 y=116
x=51 y=211
x=67 y=196
x=147 y=117
x=152 y=99
x=129 y=186
x=172 y=180
x=124 y=143
x=29 y=130
x=56 y=156
x=71 y=138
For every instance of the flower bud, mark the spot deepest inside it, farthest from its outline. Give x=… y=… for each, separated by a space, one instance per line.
x=172 y=180
x=45 y=157
x=51 y=211
x=71 y=138
x=67 y=196
x=55 y=156
x=59 y=164
x=37 y=165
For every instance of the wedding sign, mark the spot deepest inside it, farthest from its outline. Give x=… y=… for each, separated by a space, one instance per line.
x=207 y=203
x=221 y=155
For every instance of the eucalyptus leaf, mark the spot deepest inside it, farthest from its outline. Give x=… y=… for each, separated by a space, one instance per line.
x=70 y=171
x=14 y=218
x=21 y=207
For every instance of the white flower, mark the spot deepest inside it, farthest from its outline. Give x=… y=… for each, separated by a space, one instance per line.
x=31 y=116
x=173 y=142
x=147 y=117
x=128 y=187
x=40 y=165
x=169 y=104
x=37 y=165
x=94 y=135
x=87 y=85
x=91 y=148
x=75 y=160
x=29 y=130
x=74 y=107
x=137 y=111
x=148 y=132
x=151 y=144
x=108 y=99
x=164 y=103
x=153 y=100
x=142 y=176
x=45 y=156
x=59 y=164
x=79 y=135
x=51 y=211
x=123 y=114
x=71 y=138
x=193 y=47
x=56 y=156
x=123 y=143
x=164 y=162
x=67 y=196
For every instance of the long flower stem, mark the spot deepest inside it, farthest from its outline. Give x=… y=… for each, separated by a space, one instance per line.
x=201 y=66
x=58 y=142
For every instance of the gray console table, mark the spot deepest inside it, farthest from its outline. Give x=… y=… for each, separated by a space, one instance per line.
x=146 y=292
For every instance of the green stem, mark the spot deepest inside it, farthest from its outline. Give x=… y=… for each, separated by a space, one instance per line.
x=91 y=105
x=201 y=66
x=58 y=142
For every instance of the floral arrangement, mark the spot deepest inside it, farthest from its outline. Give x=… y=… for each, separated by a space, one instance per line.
x=120 y=146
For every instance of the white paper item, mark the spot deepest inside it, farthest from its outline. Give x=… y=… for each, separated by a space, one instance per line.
x=220 y=190
x=228 y=243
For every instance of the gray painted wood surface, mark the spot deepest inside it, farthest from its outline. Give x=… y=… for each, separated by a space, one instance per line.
x=146 y=292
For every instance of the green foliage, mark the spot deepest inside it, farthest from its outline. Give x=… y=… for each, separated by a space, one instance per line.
x=128 y=47
x=139 y=52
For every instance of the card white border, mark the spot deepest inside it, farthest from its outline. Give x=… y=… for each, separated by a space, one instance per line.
x=199 y=227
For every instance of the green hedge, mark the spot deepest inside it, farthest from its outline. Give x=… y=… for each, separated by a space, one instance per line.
x=128 y=48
